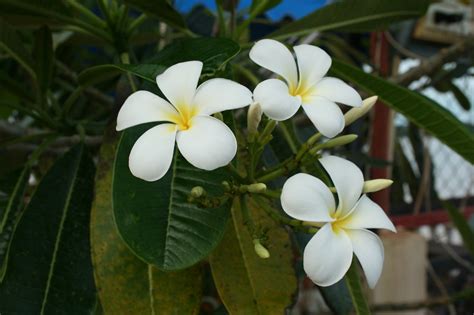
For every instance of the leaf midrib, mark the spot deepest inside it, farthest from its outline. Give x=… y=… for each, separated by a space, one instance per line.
x=61 y=226
x=170 y=206
x=244 y=258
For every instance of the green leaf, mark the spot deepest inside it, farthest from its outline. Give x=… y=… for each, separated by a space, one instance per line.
x=422 y=111
x=49 y=268
x=161 y=9
x=98 y=74
x=213 y=52
x=13 y=191
x=11 y=43
x=460 y=96
x=156 y=220
x=260 y=6
x=44 y=58
x=248 y=284
x=49 y=12
x=354 y=16
x=127 y=285
x=338 y=298
x=355 y=288
x=461 y=224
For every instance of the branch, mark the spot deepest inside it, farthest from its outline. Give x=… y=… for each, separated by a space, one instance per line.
x=90 y=91
x=432 y=64
x=12 y=131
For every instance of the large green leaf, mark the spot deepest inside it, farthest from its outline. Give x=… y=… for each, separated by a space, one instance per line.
x=127 y=285
x=355 y=288
x=213 y=52
x=420 y=110
x=156 y=220
x=248 y=284
x=11 y=43
x=354 y=16
x=49 y=12
x=12 y=190
x=49 y=268
x=338 y=298
x=44 y=58
x=161 y=9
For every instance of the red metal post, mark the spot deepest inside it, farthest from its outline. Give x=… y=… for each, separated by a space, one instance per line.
x=381 y=131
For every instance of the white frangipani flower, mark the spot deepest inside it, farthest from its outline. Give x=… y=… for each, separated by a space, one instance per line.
x=328 y=255
x=306 y=86
x=203 y=140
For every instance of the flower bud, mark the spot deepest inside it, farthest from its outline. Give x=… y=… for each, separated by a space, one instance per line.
x=198 y=192
x=254 y=115
x=219 y=116
x=376 y=185
x=226 y=185
x=335 y=142
x=260 y=250
x=257 y=188
x=357 y=112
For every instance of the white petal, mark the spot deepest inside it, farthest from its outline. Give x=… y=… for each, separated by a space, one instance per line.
x=369 y=251
x=328 y=256
x=313 y=63
x=326 y=116
x=208 y=143
x=151 y=155
x=142 y=107
x=368 y=215
x=217 y=95
x=305 y=197
x=275 y=100
x=274 y=56
x=337 y=91
x=348 y=180
x=178 y=83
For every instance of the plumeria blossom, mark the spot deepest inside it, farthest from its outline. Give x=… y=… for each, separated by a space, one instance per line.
x=305 y=87
x=328 y=255
x=204 y=141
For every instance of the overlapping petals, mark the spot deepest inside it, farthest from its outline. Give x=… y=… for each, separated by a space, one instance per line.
x=204 y=141
x=306 y=86
x=328 y=255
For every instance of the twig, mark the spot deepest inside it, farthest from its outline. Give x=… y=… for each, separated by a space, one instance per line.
x=90 y=91
x=442 y=288
x=432 y=64
x=399 y=47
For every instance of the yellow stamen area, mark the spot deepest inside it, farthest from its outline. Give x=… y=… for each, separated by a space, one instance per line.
x=184 y=116
x=303 y=90
x=340 y=221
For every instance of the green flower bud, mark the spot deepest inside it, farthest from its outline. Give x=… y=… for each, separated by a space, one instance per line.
x=376 y=185
x=260 y=250
x=357 y=112
x=335 y=142
x=257 y=188
x=198 y=192
x=219 y=116
x=254 y=115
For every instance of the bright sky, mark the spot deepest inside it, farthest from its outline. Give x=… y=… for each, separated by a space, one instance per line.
x=294 y=8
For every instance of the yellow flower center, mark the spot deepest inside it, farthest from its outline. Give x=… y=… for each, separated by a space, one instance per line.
x=184 y=116
x=303 y=90
x=340 y=221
